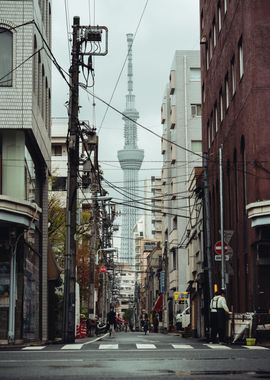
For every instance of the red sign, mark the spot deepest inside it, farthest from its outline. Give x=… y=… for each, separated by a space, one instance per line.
x=218 y=246
x=102 y=269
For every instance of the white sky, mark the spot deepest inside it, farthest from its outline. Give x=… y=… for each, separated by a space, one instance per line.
x=166 y=26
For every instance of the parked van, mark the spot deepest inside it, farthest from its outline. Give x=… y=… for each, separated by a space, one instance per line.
x=183 y=319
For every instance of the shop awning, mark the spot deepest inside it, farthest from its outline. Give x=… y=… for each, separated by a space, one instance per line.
x=158 y=304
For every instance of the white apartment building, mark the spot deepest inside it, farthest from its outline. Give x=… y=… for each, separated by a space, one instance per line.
x=25 y=114
x=181 y=120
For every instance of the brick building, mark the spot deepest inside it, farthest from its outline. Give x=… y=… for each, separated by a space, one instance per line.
x=25 y=82
x=235 y=61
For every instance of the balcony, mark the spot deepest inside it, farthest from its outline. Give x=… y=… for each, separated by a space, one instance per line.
x=172 y=117
x=172 y=81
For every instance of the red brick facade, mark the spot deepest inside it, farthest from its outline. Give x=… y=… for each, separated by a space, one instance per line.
x=235 y=61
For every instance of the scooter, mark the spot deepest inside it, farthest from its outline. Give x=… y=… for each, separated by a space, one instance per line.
x=101 y=328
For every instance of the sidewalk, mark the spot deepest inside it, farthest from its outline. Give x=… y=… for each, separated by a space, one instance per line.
x=50 y=342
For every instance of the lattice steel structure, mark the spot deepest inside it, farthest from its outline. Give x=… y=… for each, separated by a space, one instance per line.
x=130 y=158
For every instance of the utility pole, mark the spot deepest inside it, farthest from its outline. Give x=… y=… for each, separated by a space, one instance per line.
x=208 y=244
x=95 y=226
x=81 y=35
x=71 y=207
x=223 y=280
x=207 y=224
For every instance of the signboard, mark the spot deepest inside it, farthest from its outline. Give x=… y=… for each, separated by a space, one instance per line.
x=219 y=257
x=149 y=246
x=180 y=296
x=162 y=281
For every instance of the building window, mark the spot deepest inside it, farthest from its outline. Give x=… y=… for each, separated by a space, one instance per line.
x=210 y=47
x=221 y=114
x=195 y=74
x=174 y=223
x=207 y=56
x=56 y=150
x=203 y=93
x=59 y=184
x=219 y=17
x=34 y=73
x=211 y=127
x=214 y=34
x=196 y=146
x=39 y=79
x=6 y=57
x=174 y=260
x=227 y=97
x=216 y=117
x=233 y=77
x=196 y=110
x=202 y=21
x=241 y=58
x=42 y=92
x=208 y=135
x=225 y=6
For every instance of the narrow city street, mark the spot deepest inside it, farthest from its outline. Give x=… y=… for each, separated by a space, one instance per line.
x=136 y=356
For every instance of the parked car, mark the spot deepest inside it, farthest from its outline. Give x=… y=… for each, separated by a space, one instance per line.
x=183 y=319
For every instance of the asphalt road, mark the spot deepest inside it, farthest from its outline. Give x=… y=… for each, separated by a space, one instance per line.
x=135 y=356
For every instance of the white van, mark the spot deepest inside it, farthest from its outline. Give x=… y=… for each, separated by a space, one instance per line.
x=183 y=318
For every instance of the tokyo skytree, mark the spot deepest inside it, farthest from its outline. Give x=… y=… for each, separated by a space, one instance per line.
x=130 y=158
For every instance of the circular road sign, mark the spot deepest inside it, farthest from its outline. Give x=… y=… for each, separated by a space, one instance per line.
x=218 y=246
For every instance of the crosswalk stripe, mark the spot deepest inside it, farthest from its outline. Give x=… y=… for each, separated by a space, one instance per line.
x=108 y=347
x=256 y=347
x=217 y=347
x=142 y=346
x=34 y=348
x=185 y=346
x=72 y=347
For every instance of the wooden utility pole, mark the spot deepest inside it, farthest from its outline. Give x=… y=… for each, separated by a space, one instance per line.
x=72 y=185
x=86 y=35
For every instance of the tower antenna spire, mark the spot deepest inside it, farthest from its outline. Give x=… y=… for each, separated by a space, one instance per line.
x=130 y=158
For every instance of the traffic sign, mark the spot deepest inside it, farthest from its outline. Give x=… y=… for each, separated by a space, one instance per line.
x=218 y=247
x=103 y=269
x=219 y=257
x=227 y=235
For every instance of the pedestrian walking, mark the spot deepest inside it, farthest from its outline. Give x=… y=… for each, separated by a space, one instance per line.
x=214 y=317
x=223 y=313
x=156 y=322
x=218 y=317
x=146 y=326
x=111 y=321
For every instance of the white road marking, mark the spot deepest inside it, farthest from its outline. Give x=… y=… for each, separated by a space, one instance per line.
x=182 y=346
x=33 y=348
x=108 y=347
x=256 y=347
x=217 y=347
x=142 y=346
x=96 y=339
x=72 y=346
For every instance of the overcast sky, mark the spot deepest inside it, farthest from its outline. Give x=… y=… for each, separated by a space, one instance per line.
x=166 y=26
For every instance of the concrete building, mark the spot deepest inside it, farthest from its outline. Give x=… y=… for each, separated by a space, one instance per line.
x=147 y=238
x=181 y=150
x=130 y=159
x=235 y=59
x=25 y=114
x=196 y=258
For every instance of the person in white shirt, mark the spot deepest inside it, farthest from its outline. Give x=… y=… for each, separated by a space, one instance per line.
x=223 y=312
x=214 y=317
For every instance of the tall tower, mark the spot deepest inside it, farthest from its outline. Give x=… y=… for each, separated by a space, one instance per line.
x=130 y=159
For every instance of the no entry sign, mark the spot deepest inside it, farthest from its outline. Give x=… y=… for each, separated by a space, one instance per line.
x=218 y=246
